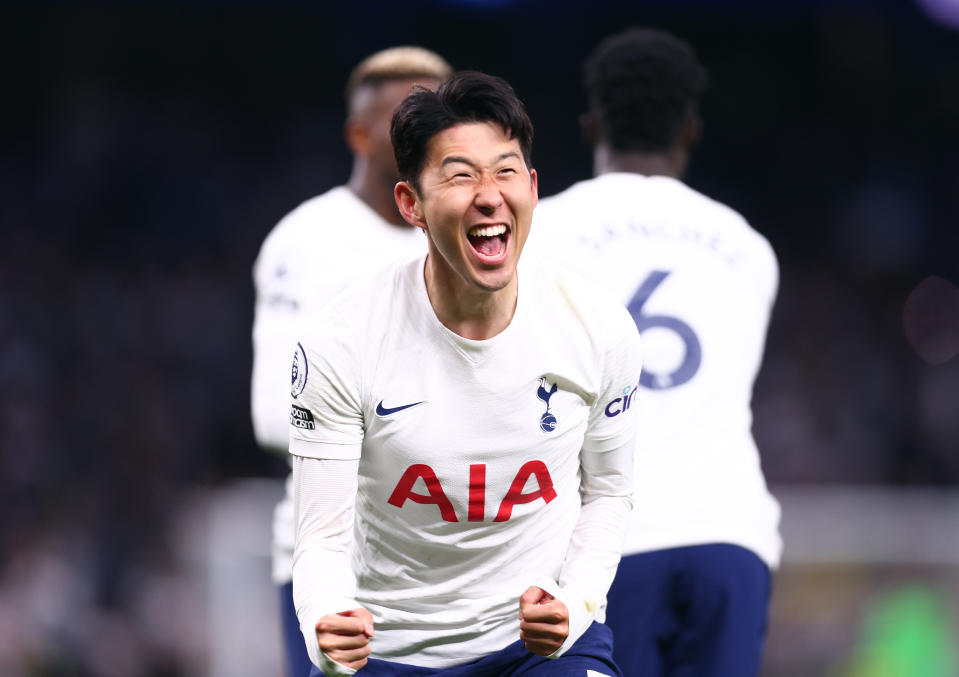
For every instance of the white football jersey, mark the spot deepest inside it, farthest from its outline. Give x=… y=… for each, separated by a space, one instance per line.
x=477 y=459
x=700 y=284
x=312 y=254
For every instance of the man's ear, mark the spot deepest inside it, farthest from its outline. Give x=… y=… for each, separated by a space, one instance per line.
x=358 y=137
x=692 y=132
x=409 y=205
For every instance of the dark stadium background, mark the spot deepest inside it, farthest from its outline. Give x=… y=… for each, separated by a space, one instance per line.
x=146 y=149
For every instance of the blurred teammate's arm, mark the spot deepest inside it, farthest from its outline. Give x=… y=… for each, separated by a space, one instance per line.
x=276 y=321
x=273 y=347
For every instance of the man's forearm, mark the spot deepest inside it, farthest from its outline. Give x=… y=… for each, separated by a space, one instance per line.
x=597 y=541
x=323 y=581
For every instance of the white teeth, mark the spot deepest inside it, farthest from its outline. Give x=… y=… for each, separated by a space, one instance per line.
x=487 y=231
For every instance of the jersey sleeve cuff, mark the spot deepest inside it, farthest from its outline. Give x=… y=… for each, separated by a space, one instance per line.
x=581 y=612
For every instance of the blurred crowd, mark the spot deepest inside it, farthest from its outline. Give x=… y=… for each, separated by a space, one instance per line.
x=133 y=201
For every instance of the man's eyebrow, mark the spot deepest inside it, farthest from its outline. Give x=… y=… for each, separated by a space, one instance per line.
x=466 y=161
x=453 y=159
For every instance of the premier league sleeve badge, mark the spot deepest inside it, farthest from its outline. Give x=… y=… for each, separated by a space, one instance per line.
x=300 y=371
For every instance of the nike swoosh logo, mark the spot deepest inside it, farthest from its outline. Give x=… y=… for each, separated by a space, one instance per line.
x=383 y=411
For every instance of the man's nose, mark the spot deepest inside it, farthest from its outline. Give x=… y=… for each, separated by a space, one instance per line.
x=488 y=196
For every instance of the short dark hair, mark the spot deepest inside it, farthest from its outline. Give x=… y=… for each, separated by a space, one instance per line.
x=467 y=96
x=643 y=83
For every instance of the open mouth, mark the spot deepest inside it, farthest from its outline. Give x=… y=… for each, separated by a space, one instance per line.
x=489 y=242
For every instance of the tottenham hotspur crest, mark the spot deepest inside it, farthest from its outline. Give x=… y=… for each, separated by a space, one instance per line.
x=547 y=422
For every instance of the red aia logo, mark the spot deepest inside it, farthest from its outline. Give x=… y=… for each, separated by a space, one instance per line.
x=477 y=496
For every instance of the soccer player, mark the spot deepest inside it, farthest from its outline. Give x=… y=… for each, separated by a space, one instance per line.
x=692 y=590
x=463 y=427
x=313 y=253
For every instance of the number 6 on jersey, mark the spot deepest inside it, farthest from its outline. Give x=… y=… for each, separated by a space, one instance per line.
x=694 y=355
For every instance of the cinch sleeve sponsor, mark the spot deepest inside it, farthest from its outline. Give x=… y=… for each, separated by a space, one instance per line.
x=612 y=417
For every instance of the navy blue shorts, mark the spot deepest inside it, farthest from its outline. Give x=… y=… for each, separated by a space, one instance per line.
x=593 y=651
x=297 y=660
x=697 y=611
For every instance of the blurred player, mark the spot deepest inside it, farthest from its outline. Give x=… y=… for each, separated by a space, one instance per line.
x=464 y=437
x=313 y=253
x=691 y=593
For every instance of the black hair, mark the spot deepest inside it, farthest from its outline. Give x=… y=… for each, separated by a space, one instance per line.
x=643 y=84
x=467 y=96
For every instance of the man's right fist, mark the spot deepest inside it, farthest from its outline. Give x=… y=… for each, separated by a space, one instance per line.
x=345 y=637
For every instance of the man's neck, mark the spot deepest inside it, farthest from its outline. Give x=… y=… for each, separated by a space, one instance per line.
x=377 y=198
x=669 y=163
x=465 y=310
